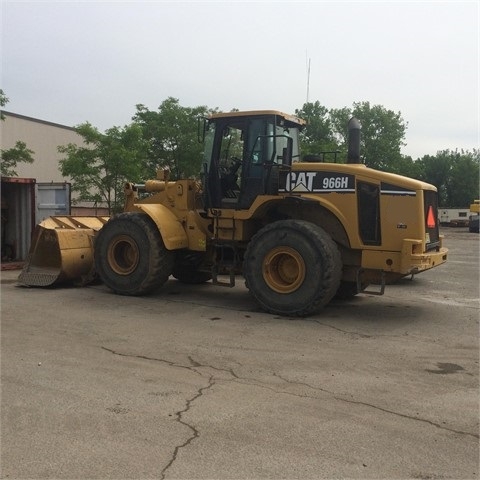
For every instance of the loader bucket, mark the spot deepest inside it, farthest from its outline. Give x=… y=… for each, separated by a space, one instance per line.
x=61 y=251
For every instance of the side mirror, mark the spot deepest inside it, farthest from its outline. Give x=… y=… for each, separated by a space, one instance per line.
x=288 y=152
x=202 y=127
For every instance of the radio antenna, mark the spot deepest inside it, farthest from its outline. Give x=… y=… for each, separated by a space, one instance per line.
x=308 y=76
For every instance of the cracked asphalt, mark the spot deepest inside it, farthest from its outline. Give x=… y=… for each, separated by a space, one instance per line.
x=197 y=382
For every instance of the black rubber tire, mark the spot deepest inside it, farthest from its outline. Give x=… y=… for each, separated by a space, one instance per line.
x=130 y=257
x=190 y=275
x=292 y=267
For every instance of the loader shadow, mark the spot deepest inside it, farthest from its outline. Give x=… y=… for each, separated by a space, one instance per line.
x=236 y=298
x=369 y=310
x=363 y=309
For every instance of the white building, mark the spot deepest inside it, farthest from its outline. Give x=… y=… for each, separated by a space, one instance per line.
x=39 y=190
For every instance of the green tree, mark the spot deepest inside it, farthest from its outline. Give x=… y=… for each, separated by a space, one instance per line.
x=463 y=182
x=455 y=174
x=317 y=136
x=171 y=133
x=3 y=102
x=383 y=134
x=17 y=154
x=408 y=167
x=100 y=167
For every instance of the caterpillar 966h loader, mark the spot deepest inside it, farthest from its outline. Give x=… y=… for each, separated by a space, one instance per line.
x=300 y=231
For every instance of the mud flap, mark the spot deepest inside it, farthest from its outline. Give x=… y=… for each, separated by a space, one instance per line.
x=360 y=283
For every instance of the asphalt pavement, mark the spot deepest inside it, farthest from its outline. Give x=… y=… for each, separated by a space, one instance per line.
x=196 y=382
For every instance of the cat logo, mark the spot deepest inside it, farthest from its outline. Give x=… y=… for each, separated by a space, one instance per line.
x=300 y=182
x=317 y=182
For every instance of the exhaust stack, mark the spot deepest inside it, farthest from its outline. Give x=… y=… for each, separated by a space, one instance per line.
x=354 y=128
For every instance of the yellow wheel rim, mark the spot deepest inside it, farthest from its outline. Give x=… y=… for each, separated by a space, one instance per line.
x=123 y=255
x=283 y=269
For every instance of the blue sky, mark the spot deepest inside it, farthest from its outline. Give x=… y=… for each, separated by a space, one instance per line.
x=70 y=62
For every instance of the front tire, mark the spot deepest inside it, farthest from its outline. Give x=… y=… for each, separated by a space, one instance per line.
x=292 y=267
x=130 y=257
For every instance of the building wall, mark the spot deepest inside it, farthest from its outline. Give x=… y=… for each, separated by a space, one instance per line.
x=43 y=138
x=21 y=199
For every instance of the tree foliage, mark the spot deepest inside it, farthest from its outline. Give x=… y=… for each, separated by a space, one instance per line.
x=12 y=156
x=318 y=135
x=455 y=174
x=171 y=135
x=383 y=133
x=101 y=165
x=3 y=102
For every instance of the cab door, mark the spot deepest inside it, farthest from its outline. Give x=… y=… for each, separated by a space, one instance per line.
x=268 y=147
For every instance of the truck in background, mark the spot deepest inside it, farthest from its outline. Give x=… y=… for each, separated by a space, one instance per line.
x=473 y=222
x=453 y=217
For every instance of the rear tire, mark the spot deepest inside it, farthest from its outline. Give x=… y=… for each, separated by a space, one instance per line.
x=292 y=267
x=130 y=257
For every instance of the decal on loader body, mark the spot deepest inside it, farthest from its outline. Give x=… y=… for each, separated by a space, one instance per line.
x=317 y=182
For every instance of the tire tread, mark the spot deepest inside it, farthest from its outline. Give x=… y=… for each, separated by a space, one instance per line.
x=332 y=268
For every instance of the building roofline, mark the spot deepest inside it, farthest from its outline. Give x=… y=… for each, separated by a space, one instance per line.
x=37 y=120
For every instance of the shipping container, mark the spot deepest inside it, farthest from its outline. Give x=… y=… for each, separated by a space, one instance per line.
x=52 y=199
x=24 y=203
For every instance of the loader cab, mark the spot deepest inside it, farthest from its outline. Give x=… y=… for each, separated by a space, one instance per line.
x=244 y=154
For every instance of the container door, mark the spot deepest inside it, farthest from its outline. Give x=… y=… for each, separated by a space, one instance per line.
x=17 y=218
x=52 y=199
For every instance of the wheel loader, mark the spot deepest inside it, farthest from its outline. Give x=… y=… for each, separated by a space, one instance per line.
x=300 y=230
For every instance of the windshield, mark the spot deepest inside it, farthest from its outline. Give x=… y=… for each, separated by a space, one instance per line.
x=267 y=142
x=243 y=155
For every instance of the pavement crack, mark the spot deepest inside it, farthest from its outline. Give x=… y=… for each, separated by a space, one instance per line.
x=194 y=365
x=302 y=384
x=359 y=334
x=410 y=417
x=154 y=359
x=346 y=332
x=179 y=418
x=376 y=407
x=179 y=415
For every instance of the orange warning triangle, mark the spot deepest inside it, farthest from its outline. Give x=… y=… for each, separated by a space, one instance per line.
x=430 y=218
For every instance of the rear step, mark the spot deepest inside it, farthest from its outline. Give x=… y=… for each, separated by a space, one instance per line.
x=226 y=263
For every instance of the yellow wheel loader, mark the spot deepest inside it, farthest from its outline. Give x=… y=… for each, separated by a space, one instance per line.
x=300 y=230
